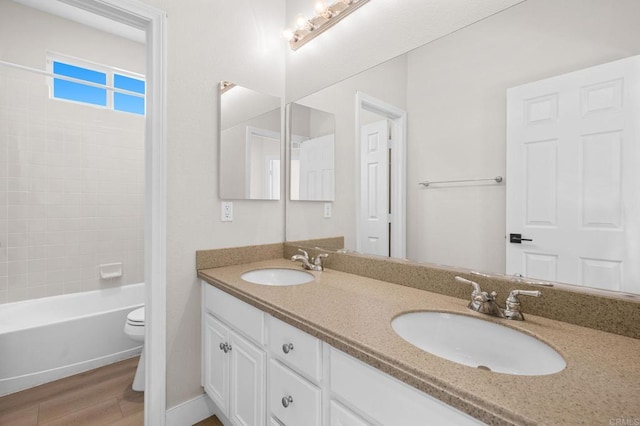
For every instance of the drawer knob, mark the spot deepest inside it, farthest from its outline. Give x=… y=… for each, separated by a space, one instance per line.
x=287 y=347
x=225 y=347
x=286 y=400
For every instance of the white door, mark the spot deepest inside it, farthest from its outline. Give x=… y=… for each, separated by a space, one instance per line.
x=216 y=363
x=247 y=399
x=374 y=189
x=573 y=177
x=317 y=168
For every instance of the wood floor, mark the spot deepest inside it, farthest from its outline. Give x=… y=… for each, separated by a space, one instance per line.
x=97 y=397
x=211 y=421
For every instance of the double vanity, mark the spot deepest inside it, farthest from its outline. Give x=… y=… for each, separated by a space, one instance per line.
x=282 y=345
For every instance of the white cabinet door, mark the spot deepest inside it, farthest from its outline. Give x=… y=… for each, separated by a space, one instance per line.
x=247 y=382
x=342 y=416
x=216 y=365
x=385 y=399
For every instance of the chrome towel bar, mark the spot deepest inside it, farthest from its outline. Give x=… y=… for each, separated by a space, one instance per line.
x=426 y=183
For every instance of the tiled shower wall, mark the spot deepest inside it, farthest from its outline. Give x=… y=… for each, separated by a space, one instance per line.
x=71 y=192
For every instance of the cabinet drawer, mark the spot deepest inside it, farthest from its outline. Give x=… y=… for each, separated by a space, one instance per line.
x=386 y=399
x=302 y=399
x=297 y=349
x=244 y=317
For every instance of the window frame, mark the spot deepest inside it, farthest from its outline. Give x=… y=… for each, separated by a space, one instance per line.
x=109 y=86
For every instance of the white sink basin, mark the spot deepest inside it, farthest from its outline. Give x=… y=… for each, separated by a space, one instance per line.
x=277 y=276
x=478 y=343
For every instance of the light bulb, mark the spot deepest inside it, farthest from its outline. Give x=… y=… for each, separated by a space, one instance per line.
x=322 y=9
x=302 y=23
x=288 y=34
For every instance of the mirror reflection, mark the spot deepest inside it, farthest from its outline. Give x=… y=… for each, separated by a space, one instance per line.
x=536 y=94
x=250 y=125
x=312 y=139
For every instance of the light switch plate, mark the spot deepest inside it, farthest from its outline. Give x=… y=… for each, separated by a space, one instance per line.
x=327 y=210
x=226 y=211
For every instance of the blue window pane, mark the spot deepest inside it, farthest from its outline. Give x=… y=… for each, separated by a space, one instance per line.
x=63 y=89
x=80 y=73
x=128 y=103
x=79 y=92
x=128 y=83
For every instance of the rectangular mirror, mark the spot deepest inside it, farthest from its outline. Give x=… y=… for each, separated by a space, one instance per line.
x=250 y=142
x=457 y=98
x=311 y=146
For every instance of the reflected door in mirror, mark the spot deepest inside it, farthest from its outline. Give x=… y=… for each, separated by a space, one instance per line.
x=312 y=148
x=250 y=142
x=572 y=183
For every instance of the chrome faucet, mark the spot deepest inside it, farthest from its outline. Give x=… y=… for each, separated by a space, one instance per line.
x=485 y=303
x=313 y=264
x=481 y=301
x=513 y=309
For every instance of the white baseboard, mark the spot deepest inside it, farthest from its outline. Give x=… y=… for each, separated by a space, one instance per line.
x=191 y=411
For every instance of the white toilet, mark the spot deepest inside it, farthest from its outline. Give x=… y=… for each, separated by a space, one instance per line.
x=134 y=328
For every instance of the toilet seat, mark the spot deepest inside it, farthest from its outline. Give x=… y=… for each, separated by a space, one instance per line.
x=134 y=327
x=136 y=317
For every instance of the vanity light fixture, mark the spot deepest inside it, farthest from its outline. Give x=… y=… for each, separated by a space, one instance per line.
x=326 y=16
x=226 y=86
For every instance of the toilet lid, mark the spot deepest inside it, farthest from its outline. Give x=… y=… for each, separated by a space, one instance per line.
x=136 y=316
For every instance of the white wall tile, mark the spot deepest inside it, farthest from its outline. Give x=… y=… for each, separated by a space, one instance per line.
x=17 y=294
x=18 y=239
x=17 y=253
x=35 y=279
x=20 y=225
x=37 y=292
x=37 y=252
x=17 y=281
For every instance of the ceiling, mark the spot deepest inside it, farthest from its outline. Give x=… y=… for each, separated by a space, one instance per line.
x=72 y=13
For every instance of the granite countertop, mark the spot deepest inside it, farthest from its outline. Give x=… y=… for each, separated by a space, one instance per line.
x=600 y=385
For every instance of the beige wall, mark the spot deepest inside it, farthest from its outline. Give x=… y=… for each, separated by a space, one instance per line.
x=208 y=42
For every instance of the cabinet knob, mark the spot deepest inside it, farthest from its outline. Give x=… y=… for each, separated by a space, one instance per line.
x=287 y=347
x=225 y=347
x=286 y=400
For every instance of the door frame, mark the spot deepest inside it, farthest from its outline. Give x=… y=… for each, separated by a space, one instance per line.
x=153 y=22
x=398 y=185
x=250 y=132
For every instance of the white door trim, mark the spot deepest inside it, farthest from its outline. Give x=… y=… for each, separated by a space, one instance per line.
x=398 y=169
x=153 y=22
x=255 y=131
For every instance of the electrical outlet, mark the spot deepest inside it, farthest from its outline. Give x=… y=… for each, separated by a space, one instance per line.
x=327 y=210
x=226 y=211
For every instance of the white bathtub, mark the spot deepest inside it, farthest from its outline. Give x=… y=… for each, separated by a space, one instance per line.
x=42 y=340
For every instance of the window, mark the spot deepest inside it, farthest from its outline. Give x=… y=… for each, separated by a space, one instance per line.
x=105 y=87
x=125 y=102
